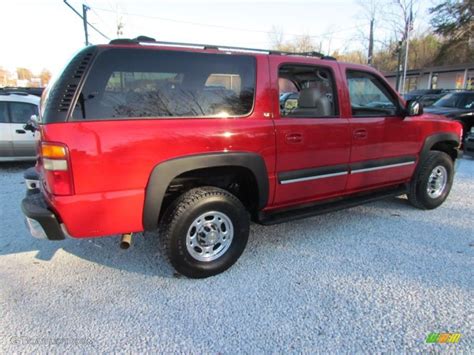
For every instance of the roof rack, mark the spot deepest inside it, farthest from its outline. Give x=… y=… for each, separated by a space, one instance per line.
x=151 y=41
x=13 y=91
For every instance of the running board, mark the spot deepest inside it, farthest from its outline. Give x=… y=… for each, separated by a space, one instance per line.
x=284 y=215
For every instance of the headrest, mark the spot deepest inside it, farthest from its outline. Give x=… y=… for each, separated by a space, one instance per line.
x=309 y=98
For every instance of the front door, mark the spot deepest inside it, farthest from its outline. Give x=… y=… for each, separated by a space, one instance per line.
x=23 y=140
x=384 y=143
x=312 y=139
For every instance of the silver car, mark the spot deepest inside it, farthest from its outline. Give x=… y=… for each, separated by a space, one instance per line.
x=17 y=143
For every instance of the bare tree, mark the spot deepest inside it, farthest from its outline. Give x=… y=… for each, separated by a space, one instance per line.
x=371 y=10
x=276 y=36
x=303 y=43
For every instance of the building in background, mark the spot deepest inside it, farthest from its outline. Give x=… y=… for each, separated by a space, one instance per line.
x=443 y=77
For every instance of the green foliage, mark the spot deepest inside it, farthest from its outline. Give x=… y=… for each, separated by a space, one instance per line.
x=454 y=21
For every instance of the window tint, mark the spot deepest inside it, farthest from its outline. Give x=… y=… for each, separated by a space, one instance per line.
x=3 y=112
x=127 y=83
x=314 y=95
x=21 y=112
x=369 y=97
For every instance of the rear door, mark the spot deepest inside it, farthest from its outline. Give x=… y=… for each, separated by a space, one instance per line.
x=6 y=145
x=23 y=140
x=312 y=138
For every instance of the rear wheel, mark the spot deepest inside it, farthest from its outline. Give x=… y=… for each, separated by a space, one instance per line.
x=432 y=183
x=205 y=231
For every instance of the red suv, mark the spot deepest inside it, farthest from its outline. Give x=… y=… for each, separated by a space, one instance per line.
x=140 y=134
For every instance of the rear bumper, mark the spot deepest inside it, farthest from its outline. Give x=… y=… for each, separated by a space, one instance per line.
x=31 y=177
x=40 y=220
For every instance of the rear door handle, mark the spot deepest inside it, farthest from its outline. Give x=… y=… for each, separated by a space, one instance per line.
x=360 y=133
x=294 y=138
x=20 y=131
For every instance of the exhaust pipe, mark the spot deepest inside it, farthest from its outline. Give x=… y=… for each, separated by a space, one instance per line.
x=126 y=241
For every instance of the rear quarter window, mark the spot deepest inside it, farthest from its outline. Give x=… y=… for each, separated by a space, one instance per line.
x=131 y=83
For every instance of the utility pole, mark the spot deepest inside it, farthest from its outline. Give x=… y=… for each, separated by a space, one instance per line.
x=405 y=67
x=85 y=8
x=371 y=43
x=399 y=64
x=409 y=28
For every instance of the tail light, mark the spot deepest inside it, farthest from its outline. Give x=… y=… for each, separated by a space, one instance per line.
x=57 y=168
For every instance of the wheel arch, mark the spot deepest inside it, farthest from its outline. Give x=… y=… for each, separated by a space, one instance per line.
x=164 y=173
x=444 y=142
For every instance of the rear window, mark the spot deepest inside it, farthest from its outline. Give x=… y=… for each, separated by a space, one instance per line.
x=125 y=83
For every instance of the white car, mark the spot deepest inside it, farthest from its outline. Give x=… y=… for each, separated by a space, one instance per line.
x=17 y=143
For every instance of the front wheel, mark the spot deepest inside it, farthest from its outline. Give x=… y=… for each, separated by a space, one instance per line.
x=432 y=182
x=205 y=231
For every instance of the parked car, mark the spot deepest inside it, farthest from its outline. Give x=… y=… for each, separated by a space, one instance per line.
x=27 y=90
x=458 y=106
x=17 y=143
x=427 y=97
x=138 y=134
x=469 y=143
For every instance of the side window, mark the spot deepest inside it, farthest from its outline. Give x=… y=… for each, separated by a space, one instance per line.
x=3 y=112
x=307 y=91
x=160 y=84
x=368 y=95
x=21 y=112
x=468 y=102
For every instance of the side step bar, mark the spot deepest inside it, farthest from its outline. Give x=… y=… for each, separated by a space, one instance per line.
x=284 y=215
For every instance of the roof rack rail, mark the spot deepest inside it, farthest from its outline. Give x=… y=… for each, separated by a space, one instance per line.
x=13 y=91
x=150 y=40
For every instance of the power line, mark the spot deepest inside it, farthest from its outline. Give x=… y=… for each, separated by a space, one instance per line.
x=84 y=18
x=225 y=27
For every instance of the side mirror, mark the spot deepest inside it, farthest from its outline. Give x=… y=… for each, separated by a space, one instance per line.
x=32 y=124
x=413 y=108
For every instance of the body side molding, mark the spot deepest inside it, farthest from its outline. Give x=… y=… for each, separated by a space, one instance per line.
x=165 y=172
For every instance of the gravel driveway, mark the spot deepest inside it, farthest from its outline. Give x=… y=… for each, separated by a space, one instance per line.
x=378 y=277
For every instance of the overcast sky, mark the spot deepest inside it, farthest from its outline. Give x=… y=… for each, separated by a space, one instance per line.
x=46 y=33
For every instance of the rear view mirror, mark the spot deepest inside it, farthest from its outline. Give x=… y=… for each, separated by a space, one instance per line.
x=413 y=108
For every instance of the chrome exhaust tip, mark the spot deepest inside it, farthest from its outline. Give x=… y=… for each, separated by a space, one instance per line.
x=126 y=241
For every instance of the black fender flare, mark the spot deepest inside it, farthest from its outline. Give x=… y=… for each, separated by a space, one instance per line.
x=430 y=141
x=163 y=173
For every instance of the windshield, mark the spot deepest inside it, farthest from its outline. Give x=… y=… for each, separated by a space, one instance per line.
x=456 y=100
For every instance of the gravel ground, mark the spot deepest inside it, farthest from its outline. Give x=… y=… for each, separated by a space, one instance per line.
x=375 y=278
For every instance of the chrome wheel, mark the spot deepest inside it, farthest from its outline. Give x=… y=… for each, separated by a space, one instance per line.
x=437 y=181
x=209 y=236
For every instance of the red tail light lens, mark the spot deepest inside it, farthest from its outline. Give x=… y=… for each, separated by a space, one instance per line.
x=57 y=168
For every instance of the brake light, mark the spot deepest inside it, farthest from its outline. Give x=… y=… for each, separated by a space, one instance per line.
x=57 y=169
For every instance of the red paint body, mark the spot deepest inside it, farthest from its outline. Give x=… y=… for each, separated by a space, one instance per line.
x=111 y=161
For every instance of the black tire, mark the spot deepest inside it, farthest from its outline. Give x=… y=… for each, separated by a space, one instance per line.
x=418 y=194
x=186 y=210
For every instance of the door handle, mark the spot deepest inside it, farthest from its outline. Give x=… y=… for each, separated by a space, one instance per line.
x=360 y=134
x=294 y=138
x=20 y=131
